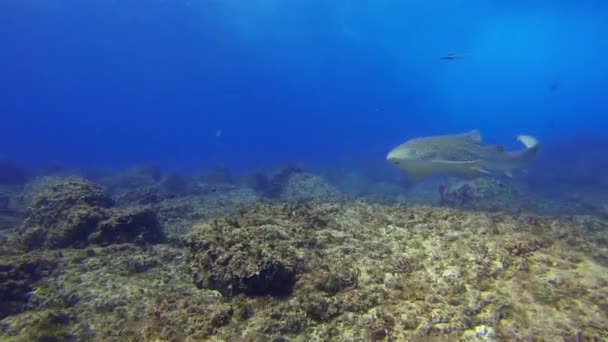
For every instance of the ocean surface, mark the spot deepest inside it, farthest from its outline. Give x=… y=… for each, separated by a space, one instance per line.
x=193 y=170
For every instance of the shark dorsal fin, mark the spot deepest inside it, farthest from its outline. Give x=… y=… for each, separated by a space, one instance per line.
x=473 y=136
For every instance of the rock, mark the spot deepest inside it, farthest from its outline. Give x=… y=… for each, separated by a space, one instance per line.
x=65 y=215
x=337 y=280
x=137 y=225
x=234 y=261
x=36 y=186
x=291 y=183
x=171 y=186
x=76 y=213
x=480 y=193
x=271 y=185
x=306 y=186
x=132 y=178
x=17 y=278
x=143 y=195
x=479 y=333
x=175 y=184
x=216 y=175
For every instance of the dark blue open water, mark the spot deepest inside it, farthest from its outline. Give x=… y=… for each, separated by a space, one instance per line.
x=117 y=83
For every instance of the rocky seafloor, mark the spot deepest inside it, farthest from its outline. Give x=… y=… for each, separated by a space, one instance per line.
x=288 y=256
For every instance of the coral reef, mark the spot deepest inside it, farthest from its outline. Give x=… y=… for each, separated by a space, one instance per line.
x=17 y=276
x=177 y=214
x=239 y=268
x=175 y=184
x=35 y=187
x=422 y=271
x=289 y=184
x=76 y=213
x=137 y=225
x=306 y=186
x=172 y=185
x=111 y=293
x=216 y=175
x=270 y=185
x=481 y=193
x=131 y=179
x=234 y=259
x=155 y=190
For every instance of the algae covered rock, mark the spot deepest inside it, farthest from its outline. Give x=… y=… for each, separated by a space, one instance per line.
x=46 y=325
x=65 y=214
x=249 y=260
x=137 y=225
x=140 y=196
x=216 y=175
x=76 y=213
x=17 y=278
x=352 y=271
x=35 y=187
x=132 y=178
x=290 y=184
x=480 y=193
x=270 y=185
x=305 y=186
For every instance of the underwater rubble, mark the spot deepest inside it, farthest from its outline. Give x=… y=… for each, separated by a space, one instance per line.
x=291 y=258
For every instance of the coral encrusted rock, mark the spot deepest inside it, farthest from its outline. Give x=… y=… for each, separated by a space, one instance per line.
x=250 y=260
x=481 y=193
x=17 y=277
x=76 y=213
x=138 y=225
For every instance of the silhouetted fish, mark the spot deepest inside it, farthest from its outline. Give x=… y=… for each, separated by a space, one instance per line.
x=554 y=87
x=453 y=56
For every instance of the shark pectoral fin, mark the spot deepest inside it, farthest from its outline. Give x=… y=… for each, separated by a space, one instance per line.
x=481 y=170
x=473 y=136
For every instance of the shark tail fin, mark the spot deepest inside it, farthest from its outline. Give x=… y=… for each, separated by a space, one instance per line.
x=528 y=140
x=527 y=155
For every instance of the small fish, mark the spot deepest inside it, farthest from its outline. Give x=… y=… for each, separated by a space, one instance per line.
x=554 y=87
x=453 y=56
x=218 y=133
x=461 y=155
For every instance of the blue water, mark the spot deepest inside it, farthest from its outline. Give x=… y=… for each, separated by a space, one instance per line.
x=191 y=83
